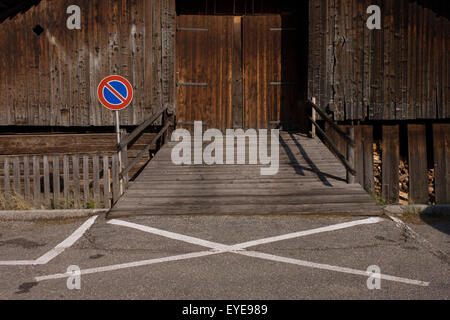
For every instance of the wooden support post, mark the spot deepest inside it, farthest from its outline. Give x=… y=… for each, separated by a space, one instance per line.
x=417 y=160
x=351 y=154
x=364 y=156
x=390 y=163
x=441 y=137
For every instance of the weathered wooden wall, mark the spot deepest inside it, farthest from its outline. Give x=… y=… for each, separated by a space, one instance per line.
x=51 y=79
x=400 y=72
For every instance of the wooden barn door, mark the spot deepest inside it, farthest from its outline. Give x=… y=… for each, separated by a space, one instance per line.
x=204 y=71
x=270 y=71
x=236 y=72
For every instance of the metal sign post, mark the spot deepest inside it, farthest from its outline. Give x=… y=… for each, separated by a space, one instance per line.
x=120 y=152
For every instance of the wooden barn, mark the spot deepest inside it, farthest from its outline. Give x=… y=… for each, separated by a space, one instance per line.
x=378 y=99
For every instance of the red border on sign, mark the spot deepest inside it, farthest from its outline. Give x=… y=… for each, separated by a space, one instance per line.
x=108 y=105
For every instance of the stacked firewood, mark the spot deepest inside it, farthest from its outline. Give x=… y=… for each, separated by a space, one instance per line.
x=403 y=182
x=403 y=178
x=377 y=168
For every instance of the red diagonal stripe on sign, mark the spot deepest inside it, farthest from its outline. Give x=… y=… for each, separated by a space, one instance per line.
x=117 y=94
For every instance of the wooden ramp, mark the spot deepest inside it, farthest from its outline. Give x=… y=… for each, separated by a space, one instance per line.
x=310 y=180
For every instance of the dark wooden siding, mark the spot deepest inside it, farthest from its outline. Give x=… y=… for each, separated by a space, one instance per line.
x=51 y=79
x=398 y=73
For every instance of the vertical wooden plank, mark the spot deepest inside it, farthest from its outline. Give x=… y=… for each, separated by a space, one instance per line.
x=124 y=157
x=115 y=178
x=390 y=163
x=417 y=160
x=76 y=179
x=26 y=178
x=86 y=179
x=359 y=155
x=56 y=182
x=237 y=111
x=36 y=181
x=367 y=138
x=441 y=137
x=96 y=185
x=66 y=179
x=16 y=175
x=46 y=177
x=106 y=183
x=6 y=177
x=148 y=52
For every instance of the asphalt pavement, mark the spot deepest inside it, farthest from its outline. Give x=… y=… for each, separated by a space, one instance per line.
x=221 y=257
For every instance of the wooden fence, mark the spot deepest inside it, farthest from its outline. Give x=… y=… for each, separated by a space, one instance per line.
x=62 y=180
x=421 y=145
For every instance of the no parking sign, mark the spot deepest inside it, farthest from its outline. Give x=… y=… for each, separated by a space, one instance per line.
x=115 y=92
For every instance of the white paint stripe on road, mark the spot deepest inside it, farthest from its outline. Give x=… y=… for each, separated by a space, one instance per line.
x=18 y=263
x=171 y=235
x=237 y=249
x=132 y=264
x=303 y=263
x=67 y=243
x=308 y=232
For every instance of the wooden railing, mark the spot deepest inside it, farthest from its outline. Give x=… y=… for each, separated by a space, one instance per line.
x=349 y=136
x=122 y=147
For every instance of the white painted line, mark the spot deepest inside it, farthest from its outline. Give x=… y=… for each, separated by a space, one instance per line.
x=303 y=263
x=237 y=249
x=308 y=232
x=215 y=245
x=170 y=235
x=47 y=257
x=66 y=243
x=131 y=264
x=18 y=263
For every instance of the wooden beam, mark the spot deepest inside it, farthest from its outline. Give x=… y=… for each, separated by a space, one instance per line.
x=441 y=137
x=417 y=161
x=390 y=163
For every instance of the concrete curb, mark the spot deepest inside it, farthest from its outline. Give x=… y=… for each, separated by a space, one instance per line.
x=436 y=209
x=33 y=215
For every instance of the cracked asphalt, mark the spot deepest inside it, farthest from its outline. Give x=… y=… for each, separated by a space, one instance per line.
x=226 y=275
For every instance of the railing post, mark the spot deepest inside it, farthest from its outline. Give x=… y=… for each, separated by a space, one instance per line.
x=351 y=154
x=314 y=118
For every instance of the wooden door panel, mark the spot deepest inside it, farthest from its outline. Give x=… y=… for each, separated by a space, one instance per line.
x=270 y=70
x=204 y=70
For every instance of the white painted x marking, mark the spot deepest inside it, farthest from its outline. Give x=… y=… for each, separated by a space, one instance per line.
x=218 y=248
